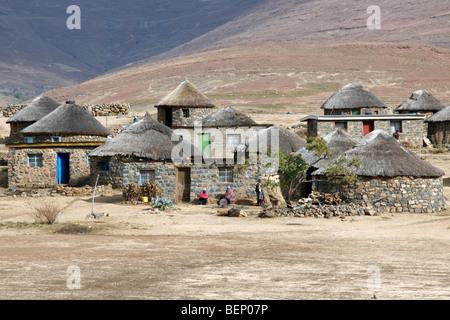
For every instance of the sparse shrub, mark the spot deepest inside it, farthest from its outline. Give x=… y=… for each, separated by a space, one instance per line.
x=44 y=212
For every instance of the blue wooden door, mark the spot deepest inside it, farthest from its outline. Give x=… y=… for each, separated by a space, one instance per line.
x=62 y=167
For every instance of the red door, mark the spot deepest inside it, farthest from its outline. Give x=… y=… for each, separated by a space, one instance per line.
x=367 y=127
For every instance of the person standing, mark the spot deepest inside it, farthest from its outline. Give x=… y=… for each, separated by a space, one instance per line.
x=259 y=193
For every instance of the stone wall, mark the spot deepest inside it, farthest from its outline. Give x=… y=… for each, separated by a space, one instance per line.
x=21 y=175
x=195 y=115
x=399 y=194
x=364 y=110
x=412 y=130
x=434 y=127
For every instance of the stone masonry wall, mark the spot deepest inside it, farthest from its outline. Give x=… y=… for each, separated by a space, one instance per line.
x=21 y=175
x=366 y=110
x=400 y=194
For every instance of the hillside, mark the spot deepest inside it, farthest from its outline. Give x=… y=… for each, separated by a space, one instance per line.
x=40 y=53
x=277 y=75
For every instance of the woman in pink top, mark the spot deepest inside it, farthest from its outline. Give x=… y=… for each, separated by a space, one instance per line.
x=203 y=198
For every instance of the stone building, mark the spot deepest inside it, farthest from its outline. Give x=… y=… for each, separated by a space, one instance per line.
x=149 y=150
x=55 y=149
x=354 y=99
x=35 y=110
x=183 y=106
x=390 y=177
x=439 y=126
x=410 y=126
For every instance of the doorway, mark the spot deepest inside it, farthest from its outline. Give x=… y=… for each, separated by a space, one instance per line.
x=367 y=127
x=62 y=167
x=183 y=184
x=168 y=114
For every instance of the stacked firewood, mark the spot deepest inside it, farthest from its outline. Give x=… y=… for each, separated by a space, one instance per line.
x=321 y=198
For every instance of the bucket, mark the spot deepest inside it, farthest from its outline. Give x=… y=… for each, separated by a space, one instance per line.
x=145 y=199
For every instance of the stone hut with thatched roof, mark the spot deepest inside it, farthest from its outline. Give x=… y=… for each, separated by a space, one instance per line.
x=148 y=150
x=183 y=106
x=35 y=110
x=439 y=127
x=55 y=149
x=421 y=101
x=390 y=177
x=354 y=99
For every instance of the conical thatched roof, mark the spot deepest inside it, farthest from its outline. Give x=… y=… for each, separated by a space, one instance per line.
x=228 y=117
x=338 y=142
x=185 y=95
x=353 y=95
x=421 y=100
x=35 y=110
x=67 y=119
x=147 y=139
x=440 y=116
x=261 y=141
x=380 y=155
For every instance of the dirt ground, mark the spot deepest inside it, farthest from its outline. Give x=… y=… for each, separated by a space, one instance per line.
x=191 y=253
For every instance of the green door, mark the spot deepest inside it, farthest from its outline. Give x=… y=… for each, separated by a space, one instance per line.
x=204 y=142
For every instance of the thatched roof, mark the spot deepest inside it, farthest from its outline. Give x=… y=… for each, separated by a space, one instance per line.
x=338 y=142
x=146 y=139
x=261 y=141
x=228 y=117
x=185 y=95
x=421 y=100
x=35 y=110
x=440 y=116
x=353 y=95
x=67 y=119
x=380 y=155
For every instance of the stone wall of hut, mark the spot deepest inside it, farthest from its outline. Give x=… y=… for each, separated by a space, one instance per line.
x=178 y=119
x=435 y=127
x=412 y=130
x=399 y=194
x=121 y=173
x=22 y=175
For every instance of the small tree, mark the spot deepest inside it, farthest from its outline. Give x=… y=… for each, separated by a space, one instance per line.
x=293 y=168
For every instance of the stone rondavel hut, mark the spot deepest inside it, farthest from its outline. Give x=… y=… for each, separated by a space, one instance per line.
x=354 y=99
x=439 y=126
x=421 y=101
x=35 y=110
x=55 y=149
x=390 y=177
x=183 y=106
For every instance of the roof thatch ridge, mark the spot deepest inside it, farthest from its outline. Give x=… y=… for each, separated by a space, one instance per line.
x=35 y=110
x=185 y=95
x=228 y=116
x=440 y=116
x=421 y=100
x=380 y=155
x=146 y=138
x=353 y=95
x=67 y=119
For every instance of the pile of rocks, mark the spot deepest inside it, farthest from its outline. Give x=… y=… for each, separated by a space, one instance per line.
x=112 y=109
x=8 y=111
x=81 y=191
x=321 y=205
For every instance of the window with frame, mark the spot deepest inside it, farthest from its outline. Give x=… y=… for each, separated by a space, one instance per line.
x=225 y=174
x=35 y=160
x=185 y=113
x=56 y=139
x=396 y=126
x=146 y=176
x=104 y=166
x=341 y=125
x=233 y=140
